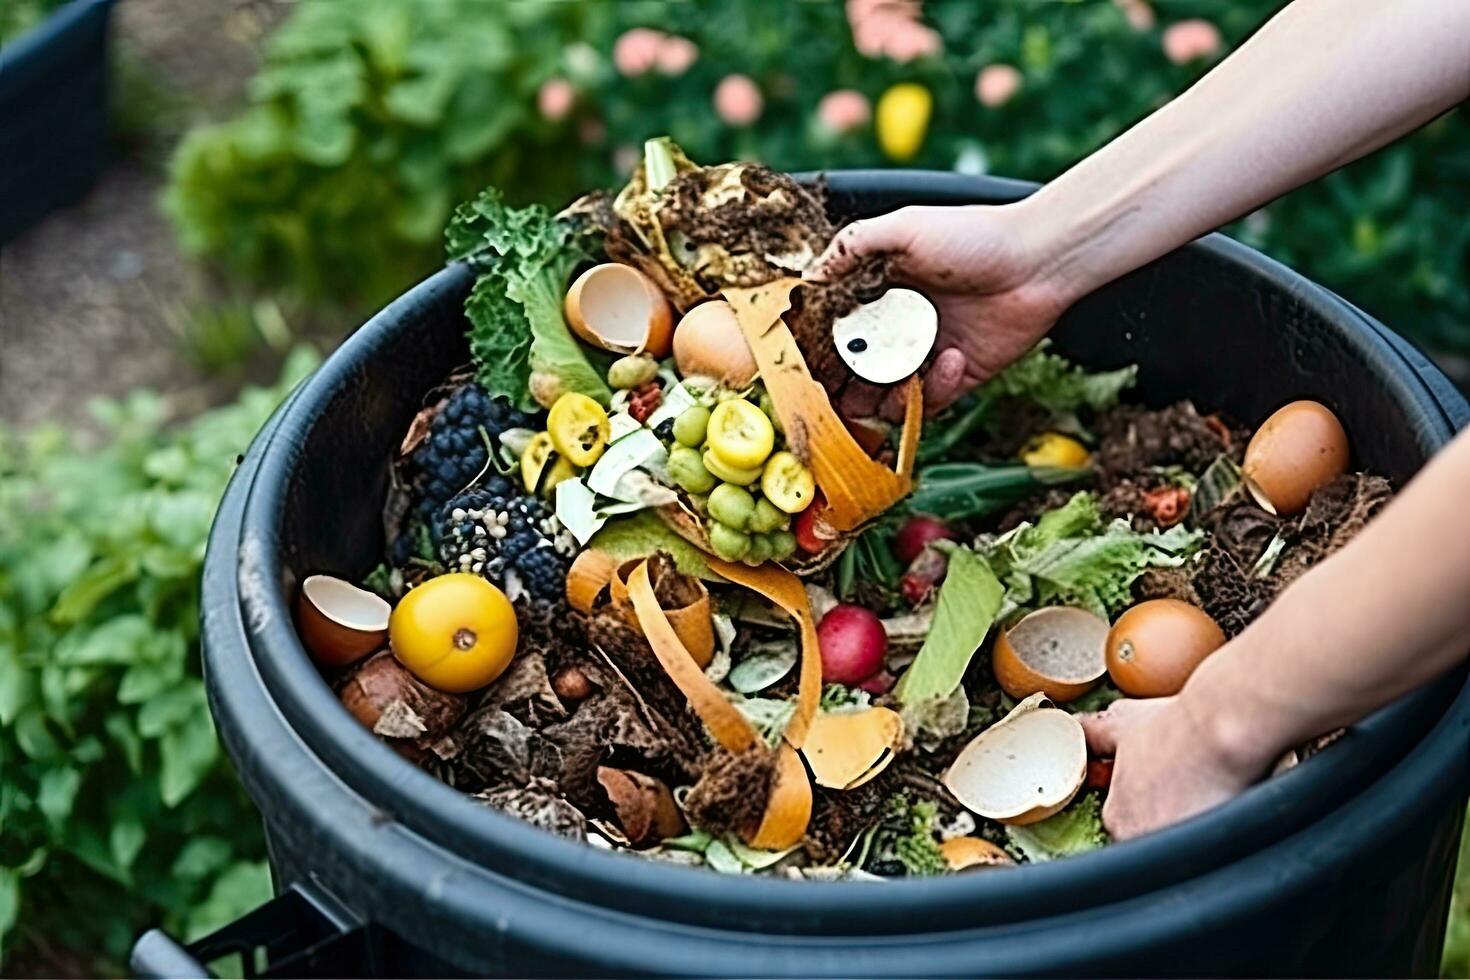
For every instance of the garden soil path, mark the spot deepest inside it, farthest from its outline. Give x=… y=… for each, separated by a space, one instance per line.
x=87 y=296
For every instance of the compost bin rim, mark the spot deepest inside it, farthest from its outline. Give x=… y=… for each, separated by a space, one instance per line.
x=34 y=50
x=603 y=933
x=494 y=840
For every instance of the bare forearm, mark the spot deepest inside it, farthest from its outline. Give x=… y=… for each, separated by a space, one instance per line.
x=1323 y=83
x=1387 y=613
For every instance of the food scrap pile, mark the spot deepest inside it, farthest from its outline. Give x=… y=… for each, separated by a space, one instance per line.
x=647 y=588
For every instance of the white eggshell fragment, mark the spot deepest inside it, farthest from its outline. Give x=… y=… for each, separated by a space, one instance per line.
x=888 y=339
x=1022 y=769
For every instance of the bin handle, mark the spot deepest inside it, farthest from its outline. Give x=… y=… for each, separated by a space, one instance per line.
x=300 y=933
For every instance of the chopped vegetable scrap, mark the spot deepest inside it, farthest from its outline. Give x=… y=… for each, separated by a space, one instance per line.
x=648 y=587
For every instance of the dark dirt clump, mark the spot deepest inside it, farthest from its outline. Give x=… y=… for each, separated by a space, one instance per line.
x=1241 y=528
x=1333 y=516
x=1227 y=591
x=1134 y=443
x=732 y=791
x=839 y=817
x=816 y=306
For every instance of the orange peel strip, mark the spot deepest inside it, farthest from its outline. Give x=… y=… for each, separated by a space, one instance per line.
x=789 y=809
x=913 y=425
x=724 y=721
x=694 y=623
x=589 y=575
x=785 y=590
x=858 y=488
x=967 y=852
x=847 y=749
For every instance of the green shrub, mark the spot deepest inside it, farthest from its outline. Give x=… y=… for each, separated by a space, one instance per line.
x=368 y=121
x=19 y=16
x=118 y=809
x=372 y=116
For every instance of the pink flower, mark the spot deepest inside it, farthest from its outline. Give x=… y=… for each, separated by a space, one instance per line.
x=1139 y=14
x=997 y=84
x=909 y=40
x=844 y=110
x=738 y=101
x=555 y=99
x=675 y=55
x=636 y=51
x=1189 y=40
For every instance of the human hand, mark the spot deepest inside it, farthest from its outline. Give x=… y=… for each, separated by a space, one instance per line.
x=983 y=273
x=1169 y=764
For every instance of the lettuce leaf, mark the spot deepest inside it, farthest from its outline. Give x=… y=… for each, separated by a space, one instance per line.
x=969 y=601
x=1075 y=830
x=1058 y=385
x=1069 y=556
x=525 y=257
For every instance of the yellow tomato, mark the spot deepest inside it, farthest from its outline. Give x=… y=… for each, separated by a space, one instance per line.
x=902 y=119
x=560 y=470
x=579 y=428
x=456 y=632
x=788 y=483
x=718 y=468
x=740 y=434
x=1055 y=449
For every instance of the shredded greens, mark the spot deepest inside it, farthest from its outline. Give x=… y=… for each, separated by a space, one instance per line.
x=525 y=257
x=1069 y=556
x=1059 y=386
x=1075 y=830
x=969 y=600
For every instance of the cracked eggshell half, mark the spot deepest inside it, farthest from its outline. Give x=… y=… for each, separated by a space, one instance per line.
x=888 y=339
x=1022 y=769
x=340 y=623
x=617 y=308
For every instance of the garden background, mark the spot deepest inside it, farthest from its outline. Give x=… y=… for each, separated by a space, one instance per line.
x=279 y=169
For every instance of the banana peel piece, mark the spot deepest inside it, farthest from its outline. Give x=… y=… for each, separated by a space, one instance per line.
x=857 y=487
x=847 y=749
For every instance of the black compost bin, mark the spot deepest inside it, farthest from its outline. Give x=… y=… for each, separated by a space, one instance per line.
x=53 y=112
x=1341 y=866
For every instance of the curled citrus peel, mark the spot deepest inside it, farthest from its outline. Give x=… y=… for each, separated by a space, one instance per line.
x=788 y=809
x=692 y=622
x=786 y=591
x=847 y=749
x=857 y=487
x=589 y=575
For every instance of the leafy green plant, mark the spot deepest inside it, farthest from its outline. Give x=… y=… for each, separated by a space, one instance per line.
x=367 y=122
x=118 y=809
x=19 y=16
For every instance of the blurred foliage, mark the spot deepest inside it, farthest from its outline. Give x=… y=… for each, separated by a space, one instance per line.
x=371 y=117
x=19 y=16
x=118 y=809
x=1457 y=937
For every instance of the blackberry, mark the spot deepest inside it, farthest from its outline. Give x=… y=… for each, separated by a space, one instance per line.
x=665 y=431
x=454 y=451
x=512 y=540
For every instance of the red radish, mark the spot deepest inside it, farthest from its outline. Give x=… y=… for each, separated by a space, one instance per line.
x=1099 y=774
x=923 y=576
x=880 y=683
x=917 y=533
x=853 y=644
x=805 y=528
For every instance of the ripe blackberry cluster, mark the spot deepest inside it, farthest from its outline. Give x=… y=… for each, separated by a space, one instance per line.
x=510 y=539
x=454 y=451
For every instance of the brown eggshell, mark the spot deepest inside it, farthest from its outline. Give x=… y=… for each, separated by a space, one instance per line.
x=1156 y=645
x=973 y=852
x=1299 y=449
x=1057 y=651
x=618 y=308
x=338 y=622
x=708 y=341
x=645 y=807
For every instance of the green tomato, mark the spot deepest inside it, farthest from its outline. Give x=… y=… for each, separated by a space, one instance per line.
x=760 y=551
x=690 y=426
x=732 y=505
x=767 y=517
x=727 y=542
x=688 y=470
x=783 y=544
x=728 y=473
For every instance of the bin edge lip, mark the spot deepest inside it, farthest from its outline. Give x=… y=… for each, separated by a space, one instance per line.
x=585 y=869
